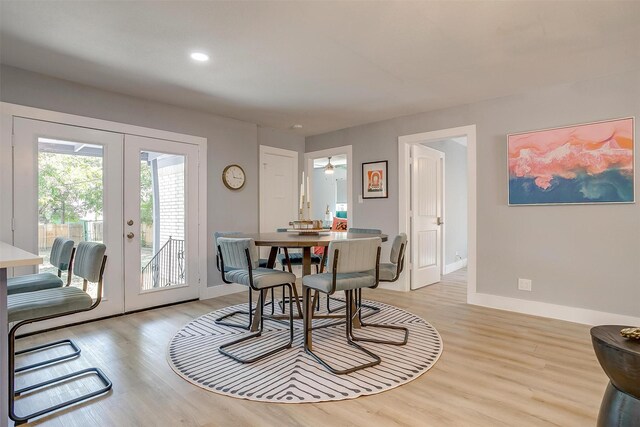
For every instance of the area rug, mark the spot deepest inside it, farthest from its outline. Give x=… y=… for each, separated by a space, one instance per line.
x=292 y=376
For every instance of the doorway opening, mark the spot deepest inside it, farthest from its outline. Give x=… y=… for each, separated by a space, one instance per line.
x=435 y=225
x=453 y=250
x=330 y=187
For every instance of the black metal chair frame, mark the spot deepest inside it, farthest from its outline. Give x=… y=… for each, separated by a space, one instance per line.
x=296 y=297
x=378 y=325
x=76 y=350
x=222 y=319
x=107 y=385
x=308 y=327
x=223 y=348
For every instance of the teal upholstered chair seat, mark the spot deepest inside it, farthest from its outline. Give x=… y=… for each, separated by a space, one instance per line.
x=262 y=277
x=48 y=302
x=388 y=271
x=61 y=258
x=33 y=282
x=344 y=281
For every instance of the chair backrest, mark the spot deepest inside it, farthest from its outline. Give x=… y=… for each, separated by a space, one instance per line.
x=401 y=239
x=355 y=255
x=61 y=252
x=218 y=234
x=234 y=255
x=365 y=231
x=89 y=261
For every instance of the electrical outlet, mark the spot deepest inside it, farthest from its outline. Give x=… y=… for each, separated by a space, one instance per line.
x=524 y=284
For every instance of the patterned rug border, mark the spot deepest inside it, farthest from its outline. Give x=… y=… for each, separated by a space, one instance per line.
x=322 y=400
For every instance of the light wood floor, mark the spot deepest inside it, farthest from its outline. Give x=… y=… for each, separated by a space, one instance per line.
x=497 y=369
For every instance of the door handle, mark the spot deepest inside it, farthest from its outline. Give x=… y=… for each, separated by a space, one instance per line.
x=130 y=235
x=440 y=221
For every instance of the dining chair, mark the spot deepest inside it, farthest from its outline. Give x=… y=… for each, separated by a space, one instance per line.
x=390 y=271
x=239 y=256
x=372 y=231
x=47 y=304
x=353 y=264
x=61 y=257
x=262 y=263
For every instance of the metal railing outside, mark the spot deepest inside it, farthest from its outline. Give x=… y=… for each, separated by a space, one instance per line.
x=166 y=268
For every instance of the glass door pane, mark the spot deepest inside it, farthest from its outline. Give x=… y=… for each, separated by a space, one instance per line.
x=70 y=197
x=162 y=220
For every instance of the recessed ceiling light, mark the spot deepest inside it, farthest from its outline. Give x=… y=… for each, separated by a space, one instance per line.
x=296 y=127
x=199 y=56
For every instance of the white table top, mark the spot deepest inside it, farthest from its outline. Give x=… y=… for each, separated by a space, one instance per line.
x=10 y=256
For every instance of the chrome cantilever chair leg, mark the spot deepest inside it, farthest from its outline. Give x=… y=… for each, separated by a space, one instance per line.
x=308 y=336
x=376 y=325
x=223 y=348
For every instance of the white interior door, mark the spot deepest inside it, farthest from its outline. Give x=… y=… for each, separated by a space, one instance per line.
x=160 y=222
x=426 y=216
x=278 y=188
x=68 y=182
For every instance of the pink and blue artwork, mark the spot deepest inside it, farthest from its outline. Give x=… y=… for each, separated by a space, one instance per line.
x=586 y=163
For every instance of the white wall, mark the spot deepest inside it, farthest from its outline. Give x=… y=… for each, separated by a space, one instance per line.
x=578 y=256
x=229 y=140
x=455 y=198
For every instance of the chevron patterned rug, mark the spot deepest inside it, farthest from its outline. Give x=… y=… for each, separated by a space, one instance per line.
x=292 y=376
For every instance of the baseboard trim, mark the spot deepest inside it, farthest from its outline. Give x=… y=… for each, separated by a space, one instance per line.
x=553 y=311
x=455 y=266
x=220 y=290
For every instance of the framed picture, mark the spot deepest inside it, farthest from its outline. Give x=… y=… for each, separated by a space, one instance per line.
x=375 y=180
x=579 y=164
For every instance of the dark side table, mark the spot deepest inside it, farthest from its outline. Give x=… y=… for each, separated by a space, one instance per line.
x=620 y=360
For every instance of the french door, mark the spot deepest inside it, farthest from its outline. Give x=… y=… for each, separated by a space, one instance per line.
x=161 y=222
x=94 y=185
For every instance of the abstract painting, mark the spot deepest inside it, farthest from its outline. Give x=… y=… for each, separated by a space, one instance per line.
x=585 y=163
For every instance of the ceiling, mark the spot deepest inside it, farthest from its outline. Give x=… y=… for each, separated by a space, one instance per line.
x=324 y=65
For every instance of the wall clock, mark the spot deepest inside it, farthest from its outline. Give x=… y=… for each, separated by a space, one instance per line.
x=233 y=177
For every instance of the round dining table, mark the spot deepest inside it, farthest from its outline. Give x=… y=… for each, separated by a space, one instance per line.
x=304 y=241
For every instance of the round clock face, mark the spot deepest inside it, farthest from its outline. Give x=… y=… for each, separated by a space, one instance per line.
x=233 y=177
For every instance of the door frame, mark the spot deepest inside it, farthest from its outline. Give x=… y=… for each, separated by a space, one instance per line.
x=404 y=194
x=443 y=227
x=265 y=149
x=8 y=111
x=348 y=151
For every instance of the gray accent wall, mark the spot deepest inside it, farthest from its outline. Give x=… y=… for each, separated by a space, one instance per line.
x=580 y=256
x=229 y=140
x=455 y=198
